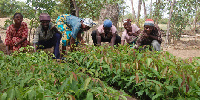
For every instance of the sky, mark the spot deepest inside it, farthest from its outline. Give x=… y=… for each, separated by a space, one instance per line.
x=135 y=4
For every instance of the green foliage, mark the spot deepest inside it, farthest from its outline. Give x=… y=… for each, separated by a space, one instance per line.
x=36 y=76
x=88 y=8
x=8 y=22
x=183 y=11
x=155 y=75
x=158 y=10
x=146 y=74
x=163 y=21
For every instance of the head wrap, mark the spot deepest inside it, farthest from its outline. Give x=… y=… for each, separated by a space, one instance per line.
x=88 y=22
x=127 y=20
x=149 y=22
x=107 y=23
x=44 y=16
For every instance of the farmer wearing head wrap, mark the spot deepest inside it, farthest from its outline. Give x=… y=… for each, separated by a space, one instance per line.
x=47 y=35
x=150 y=36
x=106 y=33
x=71 y=28
x=130 y=33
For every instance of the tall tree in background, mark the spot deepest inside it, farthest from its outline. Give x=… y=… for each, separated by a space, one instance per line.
x=182 y=16
x=197 y=16
x=145 y=12
x=9 y=7
x=110 y=11
x=139 y=9
x=72 y=9
x=133 y=11
x=157 y=11
x=151 y=9
x=167 y=41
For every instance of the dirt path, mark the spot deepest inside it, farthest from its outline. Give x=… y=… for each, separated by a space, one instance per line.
x=183 y=53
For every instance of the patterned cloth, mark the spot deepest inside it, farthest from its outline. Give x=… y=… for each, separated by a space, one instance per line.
x=69 y=26
x=147 y=41
x=109 y=35
x=13 y=36
x=40 y=33
x=130 y=39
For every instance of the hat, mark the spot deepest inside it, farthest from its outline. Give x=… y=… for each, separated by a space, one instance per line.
x=127 y=20
x=88 y=22
x=107 y=23
x=44 y=16
x=149 y=22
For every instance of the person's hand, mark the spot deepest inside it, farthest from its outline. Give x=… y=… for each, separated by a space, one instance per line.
x=8 y=52
x=16 y=44
x=145 y=35
x=83 y=42
x=130 y=33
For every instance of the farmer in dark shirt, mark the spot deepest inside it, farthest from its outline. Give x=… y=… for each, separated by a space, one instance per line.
x=150 y=36
x=47 y=35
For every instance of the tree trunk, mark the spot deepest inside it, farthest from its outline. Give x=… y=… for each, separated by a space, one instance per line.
x=168 y=24
x=151 y=10
x=109 y=12
x=139 y=9
x=145 y=12
x=157 y=13
x=133 y=11
x=72 y=9
x=195 y=20
x=76 y=8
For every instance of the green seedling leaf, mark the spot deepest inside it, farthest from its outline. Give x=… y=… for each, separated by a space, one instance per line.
x=156 y=96
x=4 y=96
x=170 y=88
x=148 y=61
x=87 y=81
x=74 y=76
x=89 y=96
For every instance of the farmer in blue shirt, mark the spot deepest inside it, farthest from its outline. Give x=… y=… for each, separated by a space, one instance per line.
x=71 y=28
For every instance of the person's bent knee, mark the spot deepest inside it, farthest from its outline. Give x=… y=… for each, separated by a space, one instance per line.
x=155 y=42
x=156 y=45
x=58 y=36
x=94 y=33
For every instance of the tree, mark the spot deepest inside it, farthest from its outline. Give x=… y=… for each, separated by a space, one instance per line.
x=139 y=9
x=184 y=11
x=9 y=7
x=111 y=11
x=151 y=9
x=168 y=24
x=133 y=11
x=145 y=12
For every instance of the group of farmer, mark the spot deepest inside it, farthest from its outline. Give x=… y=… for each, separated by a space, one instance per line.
x=69 y=28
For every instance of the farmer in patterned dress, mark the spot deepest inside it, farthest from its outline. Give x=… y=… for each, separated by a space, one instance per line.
x=151 y=36
x=16 y=34
x=71 y=28
x=130 y=33
x=47 y=35
x=106 y=33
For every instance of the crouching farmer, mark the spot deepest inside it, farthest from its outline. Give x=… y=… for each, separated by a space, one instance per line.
x=47 y=35
x=106 y=33
x=151 y=36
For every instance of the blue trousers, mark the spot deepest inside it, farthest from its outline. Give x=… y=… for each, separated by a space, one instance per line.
x=54 y=41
